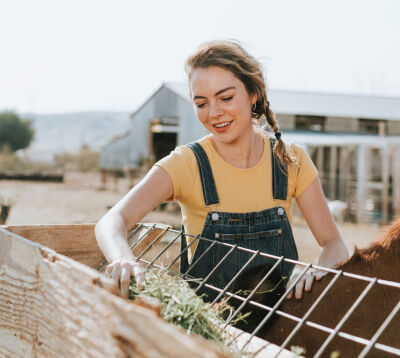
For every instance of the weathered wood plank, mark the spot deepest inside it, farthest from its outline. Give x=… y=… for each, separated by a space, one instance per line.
x=153 y=237
x=56 y=307
x=53 y=306
x=75 y=241
x=79 y=241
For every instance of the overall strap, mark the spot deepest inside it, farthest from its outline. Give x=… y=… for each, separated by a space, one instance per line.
x=184 y=263
x=279 y=175
x=206 y=175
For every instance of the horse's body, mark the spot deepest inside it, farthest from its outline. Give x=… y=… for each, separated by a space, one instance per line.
x=380 y=260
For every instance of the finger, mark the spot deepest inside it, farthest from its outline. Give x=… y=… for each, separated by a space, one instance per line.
x=290 y=294
x=109 y=269
x=125 y=278
x=116 y=272
x=309 y=282
x=138 y=273
x=319 y=275
x=299 y=289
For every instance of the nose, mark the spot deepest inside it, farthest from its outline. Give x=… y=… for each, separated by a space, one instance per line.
x=215 y=111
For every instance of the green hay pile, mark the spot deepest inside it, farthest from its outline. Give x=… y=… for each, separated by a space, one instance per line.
x=181 y=306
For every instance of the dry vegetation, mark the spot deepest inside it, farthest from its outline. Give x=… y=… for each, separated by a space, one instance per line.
x=80 y=200
x=85 y=161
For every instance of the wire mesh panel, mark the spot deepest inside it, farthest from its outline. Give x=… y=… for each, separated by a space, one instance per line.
x=352 y=312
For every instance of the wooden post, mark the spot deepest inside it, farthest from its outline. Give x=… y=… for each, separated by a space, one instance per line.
x=396 y=180
x=115 y=180
x=332 y=172
x=381 y=128
x=310 y=149
x=320 y=158
x=320 y=164
x=103 y=174
x=343 y=172
x=361 y=181
x=151 y=156
x=131 y=178
x=385 y=155
x=351 y=194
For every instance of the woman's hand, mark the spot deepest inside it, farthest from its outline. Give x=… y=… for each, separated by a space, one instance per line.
x=121 y=271
x=111 y=231
x=305 y=283
x=314 y=208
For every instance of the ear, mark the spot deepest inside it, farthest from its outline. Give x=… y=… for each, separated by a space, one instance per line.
x=253 y=98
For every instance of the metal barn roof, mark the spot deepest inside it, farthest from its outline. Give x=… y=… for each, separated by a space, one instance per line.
x=338 y=139
x=323 y=104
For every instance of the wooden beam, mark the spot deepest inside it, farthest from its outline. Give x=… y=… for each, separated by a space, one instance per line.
x=332 y=172
x=349 y=191
x=52 y=306
x=396 y=180
x=320 y=159
x=75 y=241
x=79 y=242
x=385 y=156
x=361 y=180
x=343 y=172
x=103 y=179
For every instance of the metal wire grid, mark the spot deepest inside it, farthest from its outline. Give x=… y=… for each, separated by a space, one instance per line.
x=369 y=344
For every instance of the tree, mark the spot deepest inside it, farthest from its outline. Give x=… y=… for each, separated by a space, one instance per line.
x=15 y=132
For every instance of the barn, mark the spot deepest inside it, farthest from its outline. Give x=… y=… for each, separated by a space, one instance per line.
x=354 y=141
x=161 y=123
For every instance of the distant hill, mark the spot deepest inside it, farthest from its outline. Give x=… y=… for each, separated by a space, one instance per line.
x=67 y=132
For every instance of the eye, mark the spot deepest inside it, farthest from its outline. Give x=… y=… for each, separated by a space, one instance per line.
x=226 y=99
x=199 y=105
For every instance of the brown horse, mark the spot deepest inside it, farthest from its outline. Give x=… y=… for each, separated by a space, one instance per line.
x=381 y=260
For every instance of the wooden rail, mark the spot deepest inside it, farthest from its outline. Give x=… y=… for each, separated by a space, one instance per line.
x=52 y=305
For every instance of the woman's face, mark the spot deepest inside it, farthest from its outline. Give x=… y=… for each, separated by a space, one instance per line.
x=221 y=103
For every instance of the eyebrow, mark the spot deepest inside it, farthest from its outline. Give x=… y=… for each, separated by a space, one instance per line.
x=216 y=94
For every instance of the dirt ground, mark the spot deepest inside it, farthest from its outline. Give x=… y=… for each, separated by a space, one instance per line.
x=80 y=200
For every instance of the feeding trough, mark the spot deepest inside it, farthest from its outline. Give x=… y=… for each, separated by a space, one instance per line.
x=56 y=302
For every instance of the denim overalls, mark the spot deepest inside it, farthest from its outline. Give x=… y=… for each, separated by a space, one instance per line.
x=268 y=231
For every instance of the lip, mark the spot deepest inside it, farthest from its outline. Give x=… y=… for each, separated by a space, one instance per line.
x=222 y=129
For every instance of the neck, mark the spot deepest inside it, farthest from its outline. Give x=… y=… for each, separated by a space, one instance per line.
x=243 y=153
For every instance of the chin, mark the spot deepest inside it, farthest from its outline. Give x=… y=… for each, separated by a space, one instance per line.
x=226 y=139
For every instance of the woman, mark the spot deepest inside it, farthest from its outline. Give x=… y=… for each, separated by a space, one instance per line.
x=234 y=184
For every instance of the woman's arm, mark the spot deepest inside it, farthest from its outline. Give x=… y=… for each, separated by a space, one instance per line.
x=111 y=230
x=314 y=208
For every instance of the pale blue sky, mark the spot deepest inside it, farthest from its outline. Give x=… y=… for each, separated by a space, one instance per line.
x=73 y=55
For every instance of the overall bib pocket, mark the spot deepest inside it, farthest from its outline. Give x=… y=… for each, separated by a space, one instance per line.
x=269 y=241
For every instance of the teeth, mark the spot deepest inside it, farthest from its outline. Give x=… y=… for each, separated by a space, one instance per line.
x=222 y=125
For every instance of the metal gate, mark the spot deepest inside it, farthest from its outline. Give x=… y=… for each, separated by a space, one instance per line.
x=158 y=246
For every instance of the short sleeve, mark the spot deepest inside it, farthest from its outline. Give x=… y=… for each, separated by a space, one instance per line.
x=180 y=165
x=305 y=172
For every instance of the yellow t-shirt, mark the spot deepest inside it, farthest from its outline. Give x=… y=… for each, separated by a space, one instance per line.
x=239 y=190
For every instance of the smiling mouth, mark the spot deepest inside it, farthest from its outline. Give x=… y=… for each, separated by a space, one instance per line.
x=222 y=125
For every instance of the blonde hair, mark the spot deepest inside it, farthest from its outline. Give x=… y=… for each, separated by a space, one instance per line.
x=231 y=56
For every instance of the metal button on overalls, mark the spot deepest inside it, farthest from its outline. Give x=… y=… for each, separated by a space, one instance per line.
x=214 y=217
x=281 y=211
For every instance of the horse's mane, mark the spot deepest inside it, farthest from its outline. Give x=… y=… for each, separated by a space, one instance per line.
x=388 y=245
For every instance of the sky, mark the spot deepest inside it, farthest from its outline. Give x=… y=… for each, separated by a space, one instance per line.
x=101 y=55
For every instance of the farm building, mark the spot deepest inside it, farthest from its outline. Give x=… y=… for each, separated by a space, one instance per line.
x=354 y=141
